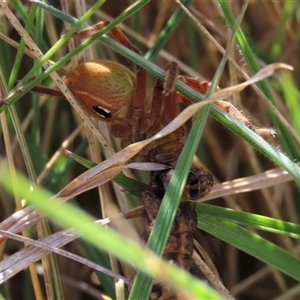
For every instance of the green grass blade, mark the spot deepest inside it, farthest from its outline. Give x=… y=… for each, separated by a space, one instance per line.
x=167 y=32
x=252 y=244
x=20 y=53
x=291 y=95
x=250 y=220
x=285 y=19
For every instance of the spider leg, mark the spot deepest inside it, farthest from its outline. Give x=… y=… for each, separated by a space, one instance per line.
x=238 y=115
x=203 y=86
x=115 y=32
x=164 y=108
x=158 y=115
x=194 y=83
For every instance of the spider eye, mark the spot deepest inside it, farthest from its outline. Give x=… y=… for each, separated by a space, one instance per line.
x=102 y=112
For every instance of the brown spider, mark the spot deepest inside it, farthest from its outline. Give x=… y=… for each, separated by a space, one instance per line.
x=112 y=93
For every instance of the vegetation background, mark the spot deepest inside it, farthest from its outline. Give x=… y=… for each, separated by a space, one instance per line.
x=48 y=125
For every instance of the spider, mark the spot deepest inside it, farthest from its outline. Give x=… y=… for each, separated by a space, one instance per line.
x=111 y=93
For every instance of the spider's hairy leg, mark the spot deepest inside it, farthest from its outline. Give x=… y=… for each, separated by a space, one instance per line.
x=164 y=102
x=200 y=86
x=238 y=115
x=115 y=32
x=203 y=86
x=171 y=77
x=139 y=102
x=164 y=108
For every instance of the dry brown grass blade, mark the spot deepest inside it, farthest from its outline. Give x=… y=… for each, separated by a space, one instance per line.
x=210 y=272
x=36 y=250
x=103 y=177
x=260 y=75
x=21 y=219
x=246 y=184
x=146 y=166
x=80 y=184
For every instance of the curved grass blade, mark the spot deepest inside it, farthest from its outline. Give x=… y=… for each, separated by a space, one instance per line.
x=252 y=244
x=250 y=220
